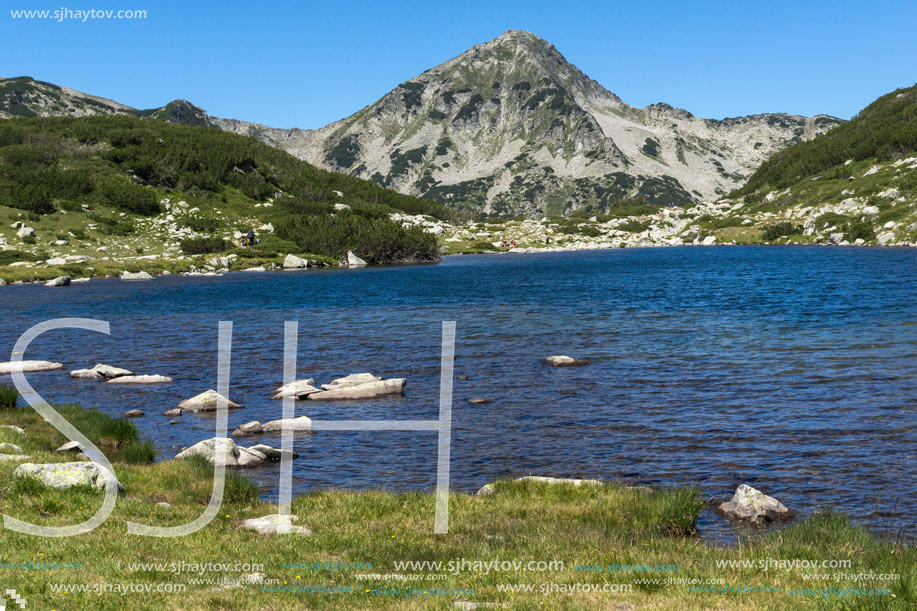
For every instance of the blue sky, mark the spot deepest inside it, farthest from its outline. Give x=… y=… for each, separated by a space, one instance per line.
x=305 y=64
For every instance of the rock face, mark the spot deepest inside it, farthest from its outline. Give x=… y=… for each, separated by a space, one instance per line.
x=359 y=386
x=565 y=361
x=302 y=424
x=294 y=262
x=206 y=402
x=510 y=126
x=754 y=505
x=271 y=524
x=100 y=372
x=145 y=379
x=67 y=475
x=299 y=389
x=59 y=281
x=353 y=260
x=136 y=276
x=29 y=366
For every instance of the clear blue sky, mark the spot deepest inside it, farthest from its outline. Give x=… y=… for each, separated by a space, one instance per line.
x=303 y=64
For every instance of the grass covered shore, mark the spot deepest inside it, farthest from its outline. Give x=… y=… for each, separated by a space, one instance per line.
x=638 y=546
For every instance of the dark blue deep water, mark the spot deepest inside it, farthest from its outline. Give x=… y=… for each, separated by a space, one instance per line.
x=792 y=369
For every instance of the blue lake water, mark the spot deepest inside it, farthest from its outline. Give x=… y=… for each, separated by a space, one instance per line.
x=792 y=369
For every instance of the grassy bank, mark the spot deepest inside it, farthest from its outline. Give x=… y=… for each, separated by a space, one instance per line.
x=558 y=525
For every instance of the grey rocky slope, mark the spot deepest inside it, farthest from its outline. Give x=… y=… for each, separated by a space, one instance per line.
x=511 y=127
x=508 y=127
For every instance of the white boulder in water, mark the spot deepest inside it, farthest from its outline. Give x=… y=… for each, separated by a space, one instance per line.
x=144 y=379
x=206 y=402
x=750 y=504
x=29 y=366
x=100 y=372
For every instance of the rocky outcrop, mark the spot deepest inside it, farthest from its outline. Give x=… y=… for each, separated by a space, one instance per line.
x=143 y=379
x=755 y=506
x=136 y=276
x=100 y=372
x=353 y=260
x=59 y=281
x=294 y=262
x=206 y=402
x=29 y=366
x=68 y=474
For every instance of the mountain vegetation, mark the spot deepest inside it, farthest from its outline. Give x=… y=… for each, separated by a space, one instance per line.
x=117 y=170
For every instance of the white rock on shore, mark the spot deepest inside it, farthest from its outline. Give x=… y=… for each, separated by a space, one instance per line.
x=294 y=262
x=68 y=474
x=59 y=281
x=136 y=276
x=271 y=525
x=353 y=260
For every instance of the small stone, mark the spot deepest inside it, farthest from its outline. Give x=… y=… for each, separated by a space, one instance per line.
x=479 y=401
x=70 y=446
x=134 y=413
x=750 y=504
x=272 y=524
x=173 y=412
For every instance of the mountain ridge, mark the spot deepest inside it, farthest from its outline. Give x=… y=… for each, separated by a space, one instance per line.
x=510 y=127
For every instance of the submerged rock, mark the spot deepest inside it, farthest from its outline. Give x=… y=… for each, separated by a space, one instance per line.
x=145 y=379
x=271 y=525
x=206 y=402
x=754 y=505
x=134 y=413
x=29 y=366
x=100 y=372
x=272 y=453
x=565 y=361
x=68 y=474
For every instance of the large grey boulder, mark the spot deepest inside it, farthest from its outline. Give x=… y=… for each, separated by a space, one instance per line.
x=29 y=366
x=144 y=379
x=206 y=402
x=25 y=232
x=248 y=457
x=271 y=525
x=368 y=390
x=59 y=281
x=301 y=424
x=353 y=260
x=67 y=474
x=300 y=389
x=213 y=450
x=100 y=372
x=750 y=504
x=136 y=276
x=294 y=262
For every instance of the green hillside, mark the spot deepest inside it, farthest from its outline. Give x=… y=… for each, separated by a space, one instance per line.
x=139 y=187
